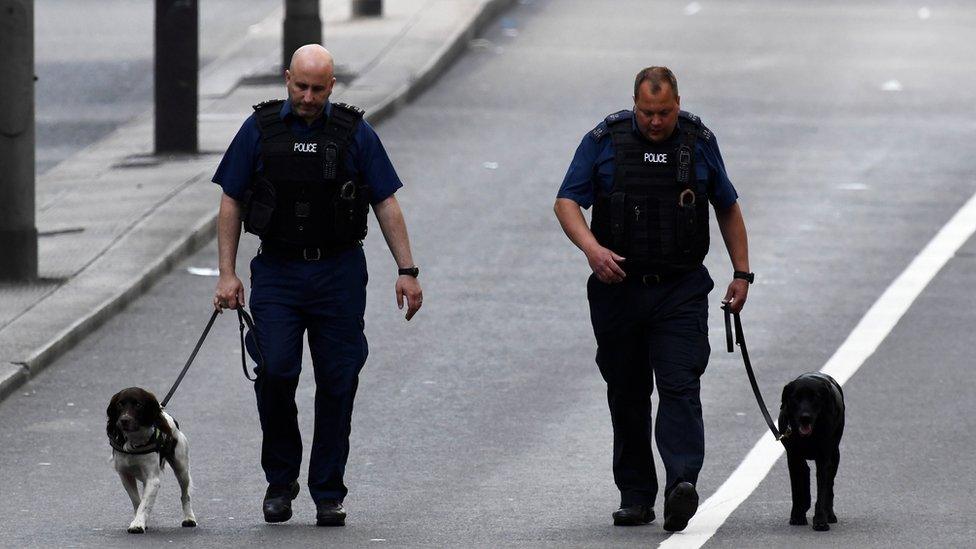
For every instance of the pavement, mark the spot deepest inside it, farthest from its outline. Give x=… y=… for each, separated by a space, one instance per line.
x=114 y=218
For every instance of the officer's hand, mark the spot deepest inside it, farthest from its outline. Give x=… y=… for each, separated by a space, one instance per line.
x=606 y=265
x=229 y=294
x=407 y=286
x=736 y=294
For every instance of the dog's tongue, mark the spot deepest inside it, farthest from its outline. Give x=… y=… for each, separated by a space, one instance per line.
x=805 y=430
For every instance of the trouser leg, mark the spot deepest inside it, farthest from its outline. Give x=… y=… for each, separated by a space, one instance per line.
x=279 y=330
x=623 y=363
x=622 y=359
x=339 y=351
x=678 y=349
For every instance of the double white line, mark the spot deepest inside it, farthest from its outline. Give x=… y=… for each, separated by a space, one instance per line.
x=873 y=328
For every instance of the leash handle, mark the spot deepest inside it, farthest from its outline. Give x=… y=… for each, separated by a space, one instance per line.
x=740 y=340
x=189 y=361
x=243 y=317
x=728 y=328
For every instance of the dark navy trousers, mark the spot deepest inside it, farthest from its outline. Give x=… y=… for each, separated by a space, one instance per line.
x=647 y=334
x=325 y=299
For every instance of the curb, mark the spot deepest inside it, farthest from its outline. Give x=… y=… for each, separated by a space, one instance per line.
x=205 y=228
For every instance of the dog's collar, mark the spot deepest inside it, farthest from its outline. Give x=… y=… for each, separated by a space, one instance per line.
x=158 y=442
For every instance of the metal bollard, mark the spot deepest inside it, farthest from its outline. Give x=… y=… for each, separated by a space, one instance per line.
x=367 y=8
x=302 y=26
x=18 y=234
x=177 y=75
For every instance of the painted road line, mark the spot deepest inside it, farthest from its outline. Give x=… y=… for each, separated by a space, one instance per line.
x=862 y=342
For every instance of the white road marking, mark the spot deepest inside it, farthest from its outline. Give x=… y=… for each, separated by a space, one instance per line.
x=892 y=86
x=873 y=328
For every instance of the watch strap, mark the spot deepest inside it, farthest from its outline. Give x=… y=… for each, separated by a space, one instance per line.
x=748 y=277
x=409 y=271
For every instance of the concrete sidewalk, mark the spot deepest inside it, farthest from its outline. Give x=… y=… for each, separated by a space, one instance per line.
x=114 y=218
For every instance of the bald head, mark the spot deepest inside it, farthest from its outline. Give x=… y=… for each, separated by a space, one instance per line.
x=314 y=58
x=309 y=80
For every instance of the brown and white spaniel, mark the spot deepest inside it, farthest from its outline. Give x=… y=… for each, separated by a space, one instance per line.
x=143 y=438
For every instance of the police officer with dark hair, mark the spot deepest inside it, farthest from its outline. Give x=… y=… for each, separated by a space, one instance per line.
x=649 y=174
x=301 y=174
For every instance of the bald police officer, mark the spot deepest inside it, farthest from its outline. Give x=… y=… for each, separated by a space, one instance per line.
x=301 y=174
x=649 y=174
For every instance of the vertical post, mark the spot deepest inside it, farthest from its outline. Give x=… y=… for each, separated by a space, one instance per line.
x=177 y=75
x=302 y=26
x=367 y=8
x=18 y=234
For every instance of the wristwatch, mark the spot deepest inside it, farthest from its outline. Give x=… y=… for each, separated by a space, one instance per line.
x=410 y=271
x=748 y=277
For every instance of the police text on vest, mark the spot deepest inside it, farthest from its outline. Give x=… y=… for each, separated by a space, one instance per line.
x=659 y=158
x=306 y=147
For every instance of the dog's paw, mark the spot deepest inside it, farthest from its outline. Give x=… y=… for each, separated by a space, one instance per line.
x=189 y=523
x=798 y=520
x=820 y=526
x=136 y=529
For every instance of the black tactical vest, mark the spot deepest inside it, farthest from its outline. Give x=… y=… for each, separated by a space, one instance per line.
x=304 y=199
x=655 y=216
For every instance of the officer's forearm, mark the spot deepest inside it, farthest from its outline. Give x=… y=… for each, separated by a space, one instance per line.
x=570 y=217
x=228 y=235
x=733 y=229
x=394 y=229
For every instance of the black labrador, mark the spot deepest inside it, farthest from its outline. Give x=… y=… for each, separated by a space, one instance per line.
x=811 y=418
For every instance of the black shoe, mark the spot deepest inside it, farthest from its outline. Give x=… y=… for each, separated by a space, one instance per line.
x=633 y=515
x=277 y=501
x=680 y=506
x=329 y=512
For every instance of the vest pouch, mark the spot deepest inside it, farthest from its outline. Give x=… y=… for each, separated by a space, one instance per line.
x=258 y=206
x=639 y=232
x=686 y=222
x=351 y=208
x=618 y=223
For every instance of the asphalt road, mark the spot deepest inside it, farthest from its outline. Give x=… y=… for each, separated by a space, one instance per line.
x=483 y=422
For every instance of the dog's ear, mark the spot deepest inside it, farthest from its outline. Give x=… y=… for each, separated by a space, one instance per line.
x=113 y=416
x=826 y=399
x=155 y=413
x=787 y=391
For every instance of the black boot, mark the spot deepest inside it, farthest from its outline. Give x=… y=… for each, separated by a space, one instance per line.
x=633 y=515
x=329 y=512
x=277 y=501
x=680 y=506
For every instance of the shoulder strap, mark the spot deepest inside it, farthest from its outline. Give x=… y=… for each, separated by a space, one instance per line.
x=603 y=128
x=703 y=132
x=268 y=114
x=691 y=129
x=342 y=122
x=336 y=135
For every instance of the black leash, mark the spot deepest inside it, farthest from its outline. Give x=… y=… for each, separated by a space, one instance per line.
x=242 y=317
x=740 y=340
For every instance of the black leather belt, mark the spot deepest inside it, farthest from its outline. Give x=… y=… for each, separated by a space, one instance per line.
x=304 y=254
x=653 y=279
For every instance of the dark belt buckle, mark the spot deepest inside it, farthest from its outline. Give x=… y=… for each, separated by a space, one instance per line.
x=315 y=257
x=651 y=279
